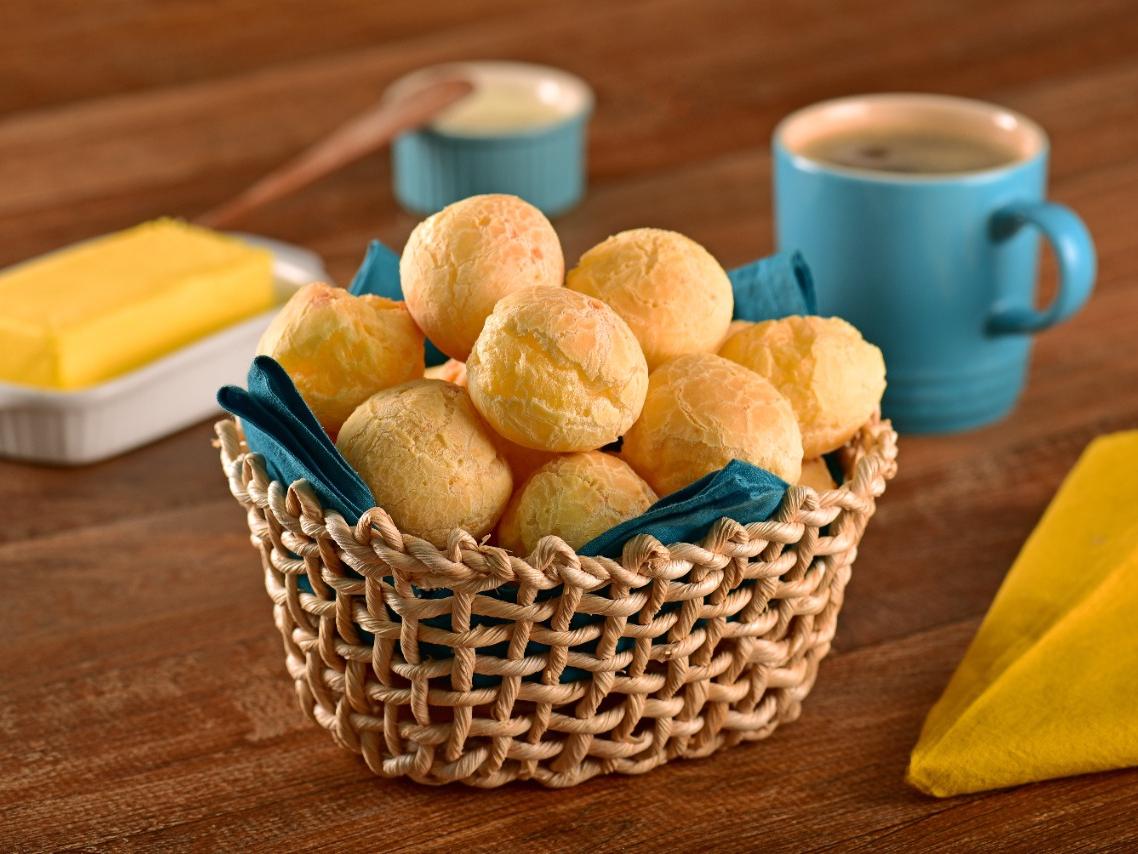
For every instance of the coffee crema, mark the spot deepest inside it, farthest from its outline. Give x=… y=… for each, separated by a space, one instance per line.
x=912 y=151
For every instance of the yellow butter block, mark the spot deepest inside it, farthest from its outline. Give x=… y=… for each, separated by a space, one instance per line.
x=86 y=314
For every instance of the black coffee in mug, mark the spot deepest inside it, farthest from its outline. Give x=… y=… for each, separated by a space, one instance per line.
x=911 y=150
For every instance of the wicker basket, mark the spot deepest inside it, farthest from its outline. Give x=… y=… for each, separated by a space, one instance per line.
x=677 y=650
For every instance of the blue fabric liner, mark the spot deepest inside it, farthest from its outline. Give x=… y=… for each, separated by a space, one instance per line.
x=773 y=287
x=739 y=491
x=282 y=429
x=379 y=275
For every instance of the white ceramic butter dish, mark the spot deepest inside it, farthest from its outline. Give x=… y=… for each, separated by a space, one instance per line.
x=91 y=424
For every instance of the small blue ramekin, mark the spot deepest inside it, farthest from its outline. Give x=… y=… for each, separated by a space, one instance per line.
x=545 y=165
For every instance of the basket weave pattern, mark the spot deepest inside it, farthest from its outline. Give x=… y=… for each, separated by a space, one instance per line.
x=686 y=648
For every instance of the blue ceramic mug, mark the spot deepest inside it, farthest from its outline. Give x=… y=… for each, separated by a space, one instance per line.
x=936 y=268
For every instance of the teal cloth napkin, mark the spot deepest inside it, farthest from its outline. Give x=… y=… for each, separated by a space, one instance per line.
x=739 y=491
x=772 y=287
x=281 y=428
x=379 y=275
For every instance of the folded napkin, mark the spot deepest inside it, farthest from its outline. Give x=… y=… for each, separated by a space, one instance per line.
x=1049 y=686
x=379 y=275
x=739 y=491
x=773 y=287
x=281 y=428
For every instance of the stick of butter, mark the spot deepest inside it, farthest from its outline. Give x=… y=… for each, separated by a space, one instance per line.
x=86 y=314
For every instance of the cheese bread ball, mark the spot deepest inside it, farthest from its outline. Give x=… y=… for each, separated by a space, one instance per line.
x=459 y=262
x=451 y=371
x=816 y=475
x=736 y=326
x=340 y=349
x=523 y=461
x=556 y=370
x=575 y=497
x=428 y=459
x=832 y=376
x=669 y=289
x=703 y=411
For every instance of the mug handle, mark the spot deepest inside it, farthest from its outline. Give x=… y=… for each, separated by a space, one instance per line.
x=1074 y=251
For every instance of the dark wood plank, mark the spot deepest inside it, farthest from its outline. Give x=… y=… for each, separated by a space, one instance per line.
x=172 y=473
x=143 y=697
x=179 y=149
x=57 y=52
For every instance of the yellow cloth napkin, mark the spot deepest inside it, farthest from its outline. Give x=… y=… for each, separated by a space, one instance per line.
x=1049 y=686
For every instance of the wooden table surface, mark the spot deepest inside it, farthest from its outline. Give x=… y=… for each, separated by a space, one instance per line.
x=144 y=701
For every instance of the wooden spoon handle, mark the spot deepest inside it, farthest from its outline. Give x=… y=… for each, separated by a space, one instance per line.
x=356 y=138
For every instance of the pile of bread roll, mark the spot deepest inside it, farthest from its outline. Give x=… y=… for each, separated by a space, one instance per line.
x=571 y=402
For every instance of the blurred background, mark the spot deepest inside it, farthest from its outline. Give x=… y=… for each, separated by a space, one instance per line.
x=118 y=111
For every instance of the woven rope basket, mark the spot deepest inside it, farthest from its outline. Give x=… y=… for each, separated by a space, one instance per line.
x=681 y=650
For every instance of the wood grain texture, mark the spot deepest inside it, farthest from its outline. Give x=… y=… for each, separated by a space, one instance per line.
x=143 y=697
